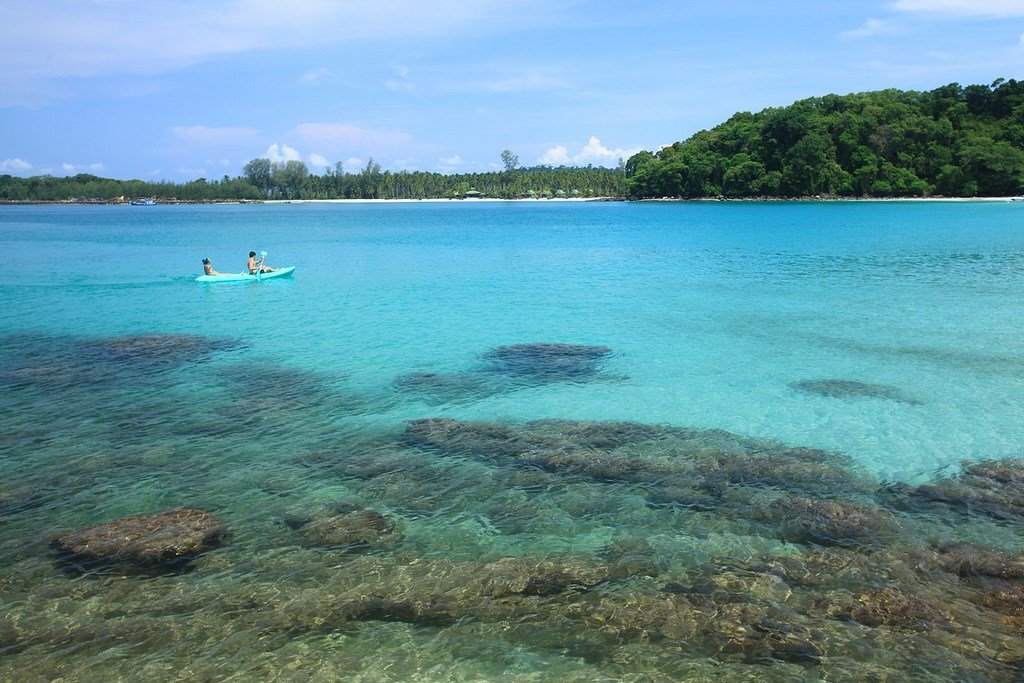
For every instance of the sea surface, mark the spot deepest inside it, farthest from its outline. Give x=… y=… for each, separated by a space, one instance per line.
x=588 y=511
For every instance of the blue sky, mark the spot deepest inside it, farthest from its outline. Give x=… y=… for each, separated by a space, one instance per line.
x=181 y=88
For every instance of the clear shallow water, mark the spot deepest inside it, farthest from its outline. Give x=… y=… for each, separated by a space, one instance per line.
x=712 y=312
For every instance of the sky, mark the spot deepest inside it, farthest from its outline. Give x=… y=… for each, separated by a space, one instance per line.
x=180 y=89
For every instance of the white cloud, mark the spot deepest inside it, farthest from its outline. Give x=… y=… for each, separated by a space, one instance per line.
x=872 y=27
x=280 y=153
x=454 y=160
x=336 y=136
x=208 y=135
x=94 y=167
x=192 y=173
x=315 y=77
x=594 y=152
x=556 y=156
x=352 y=164
x=44 y=41
x=963 y=8
x=318 y=160
x=16 y=165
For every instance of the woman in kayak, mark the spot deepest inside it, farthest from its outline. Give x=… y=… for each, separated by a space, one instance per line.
x=208 y=268
x=255 y=266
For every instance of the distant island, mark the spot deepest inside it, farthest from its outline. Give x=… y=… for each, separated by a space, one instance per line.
x=954 y=141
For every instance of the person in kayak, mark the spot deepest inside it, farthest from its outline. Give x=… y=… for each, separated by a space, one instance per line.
x=255 y=266
x=208 y=268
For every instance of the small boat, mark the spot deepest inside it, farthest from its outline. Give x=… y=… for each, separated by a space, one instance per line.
x=143 y=202
x=245 y=277
x=1017 y=199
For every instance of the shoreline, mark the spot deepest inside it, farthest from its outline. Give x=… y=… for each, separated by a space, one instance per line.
x=532 y=200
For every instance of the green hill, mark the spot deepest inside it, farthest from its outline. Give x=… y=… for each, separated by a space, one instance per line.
x=953 y=141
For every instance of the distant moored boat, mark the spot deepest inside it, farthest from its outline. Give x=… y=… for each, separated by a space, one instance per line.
x=143 y=202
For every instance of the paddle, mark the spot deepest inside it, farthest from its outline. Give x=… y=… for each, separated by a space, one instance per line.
x=259 y=270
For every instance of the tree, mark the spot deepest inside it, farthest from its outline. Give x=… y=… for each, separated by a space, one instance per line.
x=259 y=173
x=510 y=160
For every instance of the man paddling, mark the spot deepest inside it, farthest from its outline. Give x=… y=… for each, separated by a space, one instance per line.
x=255 y=266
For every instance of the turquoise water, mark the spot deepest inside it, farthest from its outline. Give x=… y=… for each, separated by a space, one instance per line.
x=712 y=313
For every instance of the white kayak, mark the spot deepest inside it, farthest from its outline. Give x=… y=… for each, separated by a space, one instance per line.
x=245 y=277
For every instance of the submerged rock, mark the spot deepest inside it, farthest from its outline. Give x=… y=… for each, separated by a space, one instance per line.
x=416 y=612
x=60 y=363
x=450 y=386
x=845 y=388
x=969 y=560
x=165 y=539
x=547 y=362
x=597 y=465
x=485 y=439
x=163 y=348
x=890 y=606
x=994 y=488
x=828 y=522
x=705 y=461
x=348 y=527
x=17 y=498
x=794 y=469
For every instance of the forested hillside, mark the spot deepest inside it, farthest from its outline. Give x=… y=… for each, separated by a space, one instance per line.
x=952 y=141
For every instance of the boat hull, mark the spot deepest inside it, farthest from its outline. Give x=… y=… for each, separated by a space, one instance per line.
x=280 y=272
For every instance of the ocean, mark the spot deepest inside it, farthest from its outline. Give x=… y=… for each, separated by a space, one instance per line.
x=531 y=440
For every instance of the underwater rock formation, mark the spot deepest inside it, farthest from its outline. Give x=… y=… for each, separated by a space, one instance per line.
x=681 y=467
x=890 y=606
x=15 y=499
x=994 y=488
x=828 y=522
x=484 y=439
x=970 y=560
x=346 y=526
x=166 y=539
x=57 y=363
x=447 y=387
x=846 y=388
x=547 y=362
x=157 y=349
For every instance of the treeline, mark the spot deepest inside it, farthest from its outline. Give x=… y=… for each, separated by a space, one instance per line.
x=86 y=187
x=953 y=141
x=293 y=180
